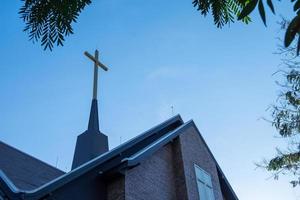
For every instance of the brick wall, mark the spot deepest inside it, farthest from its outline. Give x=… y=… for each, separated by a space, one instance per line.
x=153 y=179
x=193 y=152
x=178 y=165
x=169 y=173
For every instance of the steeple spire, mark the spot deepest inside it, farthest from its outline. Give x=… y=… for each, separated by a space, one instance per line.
x=92 y=142
x=94 y=120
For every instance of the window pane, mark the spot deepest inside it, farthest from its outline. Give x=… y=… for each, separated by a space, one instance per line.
x=210 y=193
x=199 y=174
x=204 y=184
x=203 y=176
x=208 y=180
x=202 y=191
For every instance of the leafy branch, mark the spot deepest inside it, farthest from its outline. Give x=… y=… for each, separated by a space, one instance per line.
x=286 y=118
x=293 y=28
x=223 y=11
x=49 y=21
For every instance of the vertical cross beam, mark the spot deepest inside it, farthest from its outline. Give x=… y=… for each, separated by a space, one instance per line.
x=95 y=87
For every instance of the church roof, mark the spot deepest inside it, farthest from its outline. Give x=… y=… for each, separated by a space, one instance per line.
x=25 y=171
x=115 y=161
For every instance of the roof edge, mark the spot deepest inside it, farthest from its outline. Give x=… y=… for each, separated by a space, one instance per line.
x=217 y=164
x=135 y=159
x=150 y=149
x=15 y=193
x=9 y=186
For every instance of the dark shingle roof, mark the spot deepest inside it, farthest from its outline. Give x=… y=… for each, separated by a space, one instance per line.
x=25 y=171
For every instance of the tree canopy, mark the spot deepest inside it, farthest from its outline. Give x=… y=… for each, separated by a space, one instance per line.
x=50 y=21
x=286 y=119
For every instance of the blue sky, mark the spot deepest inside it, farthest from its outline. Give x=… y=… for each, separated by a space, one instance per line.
x=160 y=54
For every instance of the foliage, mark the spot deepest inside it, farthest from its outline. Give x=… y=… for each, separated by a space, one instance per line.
x=223 y=11
x=50 y=20
x=293 y=29
x=286 y=119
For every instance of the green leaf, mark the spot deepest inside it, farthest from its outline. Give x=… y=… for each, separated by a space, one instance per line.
x=297 y=5
x=291 y=31
x=271 y=6
x=262 y=13
x=248 y=9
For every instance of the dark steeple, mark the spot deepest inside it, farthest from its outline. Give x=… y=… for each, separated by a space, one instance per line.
x=94 y=121
x=92 y=142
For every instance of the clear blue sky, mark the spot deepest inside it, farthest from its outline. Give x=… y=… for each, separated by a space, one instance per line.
x=160 y=53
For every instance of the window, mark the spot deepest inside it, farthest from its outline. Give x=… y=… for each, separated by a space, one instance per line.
x=204 y=184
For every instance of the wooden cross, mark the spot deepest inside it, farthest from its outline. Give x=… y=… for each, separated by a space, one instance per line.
x=97 y=64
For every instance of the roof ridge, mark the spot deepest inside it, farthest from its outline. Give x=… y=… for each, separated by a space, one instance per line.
x=30 y=156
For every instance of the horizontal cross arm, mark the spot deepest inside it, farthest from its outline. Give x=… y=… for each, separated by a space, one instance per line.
x=99 y=64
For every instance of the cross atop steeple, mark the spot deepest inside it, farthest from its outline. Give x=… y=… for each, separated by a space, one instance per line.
x=92 y=142
x=97 y=64
x=94 y=121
